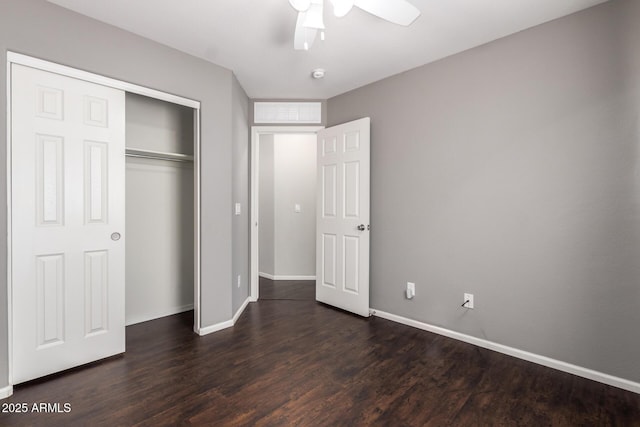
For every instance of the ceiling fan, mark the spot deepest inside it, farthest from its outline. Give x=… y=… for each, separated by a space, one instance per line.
x=310 y=14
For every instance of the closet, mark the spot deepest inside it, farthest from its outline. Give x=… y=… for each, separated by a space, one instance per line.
x=159 y=208
x=101 y=200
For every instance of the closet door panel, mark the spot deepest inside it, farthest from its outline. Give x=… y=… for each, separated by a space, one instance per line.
x=67 y=201
x=96 y=182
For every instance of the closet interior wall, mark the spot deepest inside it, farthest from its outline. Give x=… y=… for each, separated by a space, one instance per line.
x=159 y=210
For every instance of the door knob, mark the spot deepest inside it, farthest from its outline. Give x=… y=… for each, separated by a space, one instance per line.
x=115 y=236
x=361 y=227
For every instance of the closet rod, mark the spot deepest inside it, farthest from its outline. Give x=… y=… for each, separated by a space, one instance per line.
x=158 y=155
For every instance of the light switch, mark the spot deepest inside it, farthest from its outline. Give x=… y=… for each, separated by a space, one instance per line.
x=296 y=208
x=238 y=209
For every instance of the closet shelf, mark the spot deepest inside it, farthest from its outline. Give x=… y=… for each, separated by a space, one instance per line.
x=158 y=155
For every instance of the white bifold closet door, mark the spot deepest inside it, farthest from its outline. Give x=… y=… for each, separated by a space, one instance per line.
x=67 y=216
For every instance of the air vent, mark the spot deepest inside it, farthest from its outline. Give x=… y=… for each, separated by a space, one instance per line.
x=287 y=112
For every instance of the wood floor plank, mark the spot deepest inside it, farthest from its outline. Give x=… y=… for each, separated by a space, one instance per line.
x=291 y=361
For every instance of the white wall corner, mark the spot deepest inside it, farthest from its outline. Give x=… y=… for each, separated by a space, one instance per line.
x=511 y=351
x=6 y=392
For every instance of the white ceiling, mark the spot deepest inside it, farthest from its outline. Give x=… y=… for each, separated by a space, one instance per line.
x=254 y=38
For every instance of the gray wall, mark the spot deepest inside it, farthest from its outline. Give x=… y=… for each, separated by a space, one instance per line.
x=159 y=211
x=41 y=29
x=266 y=244
x=241 y=243
x=510 y=171
x=294 y=183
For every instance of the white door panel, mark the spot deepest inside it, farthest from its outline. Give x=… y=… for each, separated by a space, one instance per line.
x=343 y=208
x=67 y=198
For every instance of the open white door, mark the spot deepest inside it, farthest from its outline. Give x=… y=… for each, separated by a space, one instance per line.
x=67 y=213
x=342 y=234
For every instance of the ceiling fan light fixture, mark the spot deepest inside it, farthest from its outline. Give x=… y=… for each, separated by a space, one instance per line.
x=310 y=21
x=341 y=7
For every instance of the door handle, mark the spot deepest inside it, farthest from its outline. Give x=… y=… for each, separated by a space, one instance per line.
x=115 y=236
x=361 y=227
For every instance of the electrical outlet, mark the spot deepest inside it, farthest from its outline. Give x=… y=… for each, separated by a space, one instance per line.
x=411 y=290
x=239 y=280
x=468 y=301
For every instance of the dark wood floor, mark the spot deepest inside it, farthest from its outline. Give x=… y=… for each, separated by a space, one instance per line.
x=304 y=290
x=292 y=361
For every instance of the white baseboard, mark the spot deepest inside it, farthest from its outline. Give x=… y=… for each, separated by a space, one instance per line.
x=6 y=392
x=240 y=310
x=132 y=320
x=226 y=324
x=285 y=277
x=215 y=328
x=520 y=354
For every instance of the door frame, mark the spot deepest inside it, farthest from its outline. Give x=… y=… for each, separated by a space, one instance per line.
x=256 y=131
x=29 y=61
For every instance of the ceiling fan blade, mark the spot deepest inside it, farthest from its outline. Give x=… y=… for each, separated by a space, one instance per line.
x=399 y=12
x=313 y=17
x=341 y=7
x=303 y=34
x=300 y=5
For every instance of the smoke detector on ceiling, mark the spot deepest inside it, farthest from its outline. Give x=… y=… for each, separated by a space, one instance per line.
x=318 y=73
